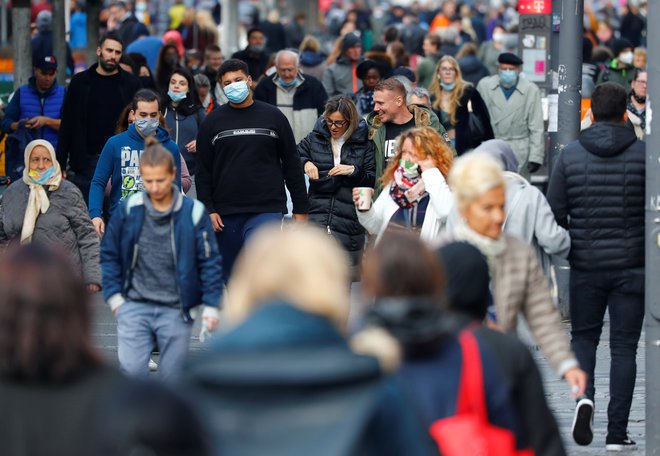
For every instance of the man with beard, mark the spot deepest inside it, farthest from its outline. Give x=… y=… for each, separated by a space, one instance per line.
x=93 y=102
x=256 y=55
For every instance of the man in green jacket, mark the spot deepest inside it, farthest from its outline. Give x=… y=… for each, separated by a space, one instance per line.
x=391 y=117
x=620 y=69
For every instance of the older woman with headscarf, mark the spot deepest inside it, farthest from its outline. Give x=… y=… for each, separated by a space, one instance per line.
x=517 y=282
x=44 y=208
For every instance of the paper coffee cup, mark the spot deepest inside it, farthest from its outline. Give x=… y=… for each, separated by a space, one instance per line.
x=364 y=198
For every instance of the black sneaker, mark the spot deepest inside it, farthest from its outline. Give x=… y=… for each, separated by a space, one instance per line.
x=612 y=444
x=583 y=432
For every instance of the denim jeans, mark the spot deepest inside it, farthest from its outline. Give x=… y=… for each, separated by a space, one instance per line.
x=238 y=228
x=139 y=326
x=622 y=293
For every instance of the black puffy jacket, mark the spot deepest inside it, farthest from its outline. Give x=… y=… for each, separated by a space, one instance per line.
x=597 y=191
x=330 y=197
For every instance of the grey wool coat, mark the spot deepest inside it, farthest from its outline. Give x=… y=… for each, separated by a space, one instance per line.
x=518 y=120
x=66 y=225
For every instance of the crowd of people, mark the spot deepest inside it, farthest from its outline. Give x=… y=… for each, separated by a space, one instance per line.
x=254 y=192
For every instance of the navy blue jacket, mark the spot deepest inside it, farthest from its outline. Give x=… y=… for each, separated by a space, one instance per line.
x=196 y=257
x=28 y=102
x=597 y=191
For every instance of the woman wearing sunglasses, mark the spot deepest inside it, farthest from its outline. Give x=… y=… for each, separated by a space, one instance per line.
x=338 y=156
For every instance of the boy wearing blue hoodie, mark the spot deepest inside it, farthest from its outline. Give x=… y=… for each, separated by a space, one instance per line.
x=120 y=157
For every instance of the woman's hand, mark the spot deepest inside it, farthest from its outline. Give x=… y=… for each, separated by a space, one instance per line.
x=93 y=288
x=356 y=195
x=191 y=147
x=427 y=163
x=342 y=170
x=311 y=170
x=577 y=378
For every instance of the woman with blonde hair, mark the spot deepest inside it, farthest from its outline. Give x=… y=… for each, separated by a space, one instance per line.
x=286 y=356
x=415 y=194
x=517 y=282
x=312 y=60
x=455 y=100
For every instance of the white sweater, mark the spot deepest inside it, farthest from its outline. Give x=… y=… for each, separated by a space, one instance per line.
x=376 y=219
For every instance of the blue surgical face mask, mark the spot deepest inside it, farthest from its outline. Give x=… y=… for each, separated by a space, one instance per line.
x=177 y=97
x=508 y=78
x=147 y=126
x=285 y=84
x=41 y=177
x=448 y=87
x=237 y=92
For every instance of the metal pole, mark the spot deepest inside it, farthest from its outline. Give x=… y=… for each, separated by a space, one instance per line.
x=553 y=149
x=59 y=40
x=570 y=72
x=21 y=42
x=4 y=23
x=229 y=35
x=93 y=24
x=652 y=291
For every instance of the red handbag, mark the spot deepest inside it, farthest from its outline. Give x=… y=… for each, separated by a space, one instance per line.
x=468 y=433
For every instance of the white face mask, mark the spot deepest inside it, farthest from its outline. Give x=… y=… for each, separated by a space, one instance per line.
x=626 y=57
x=498 y=37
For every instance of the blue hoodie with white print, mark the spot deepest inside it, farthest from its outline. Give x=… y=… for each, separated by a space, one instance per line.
x=120 y=159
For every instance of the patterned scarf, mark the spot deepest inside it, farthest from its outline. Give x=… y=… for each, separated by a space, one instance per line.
x=407 y=188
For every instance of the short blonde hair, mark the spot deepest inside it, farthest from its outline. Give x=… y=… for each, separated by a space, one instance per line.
x=300 y=265
x=473 y=175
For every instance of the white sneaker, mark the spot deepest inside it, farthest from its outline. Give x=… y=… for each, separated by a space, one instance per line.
x=152 y=365
x=583 y=432
x=620 y=444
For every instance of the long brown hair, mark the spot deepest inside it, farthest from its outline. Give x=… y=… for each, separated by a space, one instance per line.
x=44 y=317
x=436 y=89
x=428 y=143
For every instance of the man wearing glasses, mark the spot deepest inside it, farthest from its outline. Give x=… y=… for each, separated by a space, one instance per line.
x=247 y=153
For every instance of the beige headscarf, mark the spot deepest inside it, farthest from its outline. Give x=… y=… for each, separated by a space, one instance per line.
x=38 y=199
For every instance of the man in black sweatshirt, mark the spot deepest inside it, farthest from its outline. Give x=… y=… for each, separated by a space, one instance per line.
x=246 y=152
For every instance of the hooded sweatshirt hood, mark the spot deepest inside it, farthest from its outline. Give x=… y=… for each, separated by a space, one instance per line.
x=502 y=152
x=311 y=59
x=607 y=140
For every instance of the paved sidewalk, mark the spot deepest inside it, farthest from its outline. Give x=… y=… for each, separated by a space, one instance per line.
x=563 y=406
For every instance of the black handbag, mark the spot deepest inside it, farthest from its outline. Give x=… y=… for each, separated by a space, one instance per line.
x=476 y=126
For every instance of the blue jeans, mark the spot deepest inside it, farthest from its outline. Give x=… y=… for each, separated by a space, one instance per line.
x=238 y=228
x=139 y=326
x=622 y=293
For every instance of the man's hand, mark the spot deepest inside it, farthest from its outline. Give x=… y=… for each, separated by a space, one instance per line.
x=211 y=323
x=533 y=167
x=192 y=146
x=99 y=226
x=300 y=218
x=216 y=222
x=311 y=170
x=37 y=122
x=577 y=378
x=342 y=170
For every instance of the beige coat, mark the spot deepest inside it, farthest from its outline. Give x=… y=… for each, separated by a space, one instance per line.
x=518 y=120
x=519 y=286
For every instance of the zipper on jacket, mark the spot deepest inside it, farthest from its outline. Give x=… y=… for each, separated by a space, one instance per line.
x=207 y=246
x=176 y=283
x=332 y=205
x=133 y=263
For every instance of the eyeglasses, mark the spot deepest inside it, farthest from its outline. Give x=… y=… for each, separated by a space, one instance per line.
x=336 y=123
x=639 y=81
